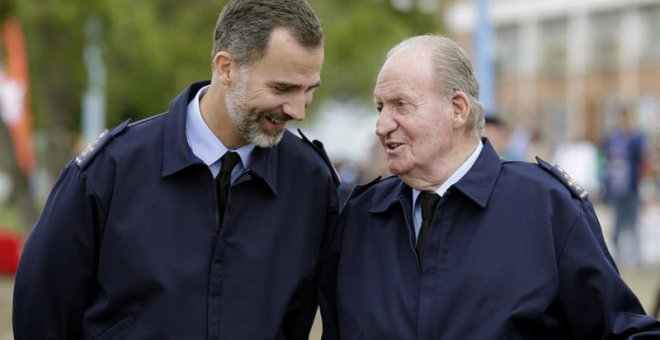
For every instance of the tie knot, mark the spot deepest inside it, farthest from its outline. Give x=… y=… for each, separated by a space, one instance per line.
x=428 y=201
x=228 y=161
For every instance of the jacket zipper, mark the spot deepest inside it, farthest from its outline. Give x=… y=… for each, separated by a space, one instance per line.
x=410 y=239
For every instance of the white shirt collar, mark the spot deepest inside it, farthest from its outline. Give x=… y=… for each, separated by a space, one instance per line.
x=455 y=177
x=203 y=142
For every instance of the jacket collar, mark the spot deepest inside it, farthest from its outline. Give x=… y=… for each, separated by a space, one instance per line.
x=391 y=194
x=264 y=164
x=177 y=154
x=477 y=184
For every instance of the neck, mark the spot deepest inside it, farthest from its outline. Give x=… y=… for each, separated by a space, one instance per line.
x=430 y=177
x=214 y=112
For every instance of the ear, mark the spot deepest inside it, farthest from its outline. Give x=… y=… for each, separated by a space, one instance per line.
x=460 y=104
x=224 y=67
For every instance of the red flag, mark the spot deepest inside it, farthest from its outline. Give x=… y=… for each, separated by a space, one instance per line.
x=10 y=252
x=14 y=100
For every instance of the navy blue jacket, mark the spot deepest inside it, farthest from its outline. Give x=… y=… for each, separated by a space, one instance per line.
x=129 y=245
x=516 y=252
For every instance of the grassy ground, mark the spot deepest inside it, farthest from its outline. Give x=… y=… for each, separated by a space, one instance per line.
x=10 y=221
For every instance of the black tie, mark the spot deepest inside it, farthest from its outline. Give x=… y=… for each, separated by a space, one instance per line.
x=428 y=201
x=223 y=181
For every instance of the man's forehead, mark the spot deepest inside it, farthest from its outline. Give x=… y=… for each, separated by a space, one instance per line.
x=401 y=81
x=289 y=65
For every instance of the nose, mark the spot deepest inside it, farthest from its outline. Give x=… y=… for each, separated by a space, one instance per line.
x=385 y=124
x=295 y=107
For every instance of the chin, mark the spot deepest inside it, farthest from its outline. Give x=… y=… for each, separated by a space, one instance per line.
x=264 y=140
x=398 y=169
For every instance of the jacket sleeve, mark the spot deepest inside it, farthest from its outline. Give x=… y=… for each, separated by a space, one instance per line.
x=597 y=302
x=299 y=321
x=328 y=281
x=55 y=278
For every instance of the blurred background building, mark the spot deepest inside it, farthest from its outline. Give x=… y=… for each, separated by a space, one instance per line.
x=564 y=67
x=559 y=74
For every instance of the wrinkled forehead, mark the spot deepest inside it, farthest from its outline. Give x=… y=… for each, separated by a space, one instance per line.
x=409 y=68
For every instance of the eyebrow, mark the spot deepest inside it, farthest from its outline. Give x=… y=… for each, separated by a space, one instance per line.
x=288 y=86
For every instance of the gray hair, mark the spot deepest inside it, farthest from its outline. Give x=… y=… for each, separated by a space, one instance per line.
x=244 y=27
x=454 y=73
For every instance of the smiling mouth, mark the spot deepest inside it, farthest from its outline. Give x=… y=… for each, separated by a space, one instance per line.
x=276 y=119
x=392 y=146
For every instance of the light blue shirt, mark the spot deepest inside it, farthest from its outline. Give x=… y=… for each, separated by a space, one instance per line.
x=206 y=146
x=455 y=177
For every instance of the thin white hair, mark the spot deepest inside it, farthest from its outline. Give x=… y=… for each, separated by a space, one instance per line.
x=454 y=73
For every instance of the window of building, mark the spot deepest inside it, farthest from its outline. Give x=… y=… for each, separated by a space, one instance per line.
x=553 y=47
x=651 y=33
x=507 y=51
x=605 y=29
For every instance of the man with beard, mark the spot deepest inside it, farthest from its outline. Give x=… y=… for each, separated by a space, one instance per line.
x=205 y=222
x=460 y=244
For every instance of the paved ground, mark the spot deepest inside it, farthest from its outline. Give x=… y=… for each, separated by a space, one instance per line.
x=6 y=287
x=644 y=281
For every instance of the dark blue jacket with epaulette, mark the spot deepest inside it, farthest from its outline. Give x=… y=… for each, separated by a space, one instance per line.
x=129 y=247
x=515 y=252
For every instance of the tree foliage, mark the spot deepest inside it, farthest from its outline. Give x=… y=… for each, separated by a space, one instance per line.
x=152 y=49
x=358 y=34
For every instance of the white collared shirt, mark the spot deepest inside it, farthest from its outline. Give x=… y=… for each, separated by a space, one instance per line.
x=455 y=177
x=206 y=146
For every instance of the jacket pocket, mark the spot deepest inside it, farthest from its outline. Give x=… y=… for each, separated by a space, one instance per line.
x=118 y=330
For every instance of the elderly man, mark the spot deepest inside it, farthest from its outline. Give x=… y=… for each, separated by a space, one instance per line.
x=459 y=244
x=206 y=222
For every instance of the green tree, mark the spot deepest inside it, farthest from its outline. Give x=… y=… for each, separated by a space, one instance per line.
x=358 y=34
x=153 y=49
x=54 y=37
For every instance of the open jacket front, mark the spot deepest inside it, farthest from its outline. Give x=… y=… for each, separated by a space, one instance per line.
x=512 y=254
x=130 y=246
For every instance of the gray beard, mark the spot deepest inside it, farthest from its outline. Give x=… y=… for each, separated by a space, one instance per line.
x=247 y=121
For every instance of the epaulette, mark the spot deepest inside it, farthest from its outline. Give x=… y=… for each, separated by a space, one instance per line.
x=564 y=178
x=318 y=147
x=358 y=189
x=88 y=153
x=144 y=120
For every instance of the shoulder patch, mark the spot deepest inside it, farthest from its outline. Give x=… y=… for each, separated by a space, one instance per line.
x=318 y=147
x=88 y=153
x=563 y=177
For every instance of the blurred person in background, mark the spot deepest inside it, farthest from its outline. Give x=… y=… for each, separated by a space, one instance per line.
x=205 y=222
x=460 y=244
x=496 y=132
x=518 y=144
x=624 y=154
x=349 y=173
x=536 y=147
